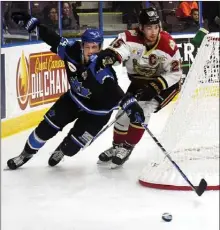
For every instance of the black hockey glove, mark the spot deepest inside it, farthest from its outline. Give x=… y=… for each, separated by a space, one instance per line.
x=25 y=20
x=106 y=58
x=147 y=93
x=153 y=88
x=130 y=105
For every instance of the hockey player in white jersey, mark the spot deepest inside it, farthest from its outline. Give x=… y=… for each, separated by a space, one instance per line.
x=153 y=64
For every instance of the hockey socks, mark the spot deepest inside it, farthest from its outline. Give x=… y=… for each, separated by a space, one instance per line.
x=132 y=136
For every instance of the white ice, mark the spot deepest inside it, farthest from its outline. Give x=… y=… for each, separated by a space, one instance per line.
x=78 y=194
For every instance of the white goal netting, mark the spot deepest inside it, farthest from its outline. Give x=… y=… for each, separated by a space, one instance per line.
x=191 y=134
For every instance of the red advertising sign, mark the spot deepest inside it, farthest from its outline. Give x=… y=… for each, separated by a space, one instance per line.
x=40 y=80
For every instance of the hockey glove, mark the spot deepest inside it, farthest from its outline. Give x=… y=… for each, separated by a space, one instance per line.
x=130 y=105
x=153 y=88
x=61 y=49
x=106 y=58
x=25 y=20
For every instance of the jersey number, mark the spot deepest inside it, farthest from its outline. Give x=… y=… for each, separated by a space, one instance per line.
x=175 y=66
x=117 y=43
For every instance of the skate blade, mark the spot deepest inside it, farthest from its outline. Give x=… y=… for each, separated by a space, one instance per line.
x=114 y=166
x=103 y=162
x=7 y=169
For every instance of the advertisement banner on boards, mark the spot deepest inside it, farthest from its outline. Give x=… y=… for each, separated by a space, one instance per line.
x=40 y=79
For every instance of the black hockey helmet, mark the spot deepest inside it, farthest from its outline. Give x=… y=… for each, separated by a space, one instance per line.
x=149 y=16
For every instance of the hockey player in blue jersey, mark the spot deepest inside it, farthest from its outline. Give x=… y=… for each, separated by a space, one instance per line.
x=90 y=100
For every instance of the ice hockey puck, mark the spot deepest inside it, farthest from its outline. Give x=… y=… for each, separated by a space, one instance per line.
x=167 y=217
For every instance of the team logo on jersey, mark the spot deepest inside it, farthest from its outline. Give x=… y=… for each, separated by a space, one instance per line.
x=71 y=67
x=51 y=113
x=172 y=44
x=84 y=75
x=79 y=89
x=137 y=51
x=153 y=60
x=144 y=70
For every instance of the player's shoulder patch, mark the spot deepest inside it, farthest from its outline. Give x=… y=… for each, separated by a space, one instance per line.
x=104 y=74
x=167 y=43
x=133 y=36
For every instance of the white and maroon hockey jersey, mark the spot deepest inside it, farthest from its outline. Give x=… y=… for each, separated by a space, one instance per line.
x=162 y=60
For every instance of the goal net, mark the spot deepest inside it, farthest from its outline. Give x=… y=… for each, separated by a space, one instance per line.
x=191 y=133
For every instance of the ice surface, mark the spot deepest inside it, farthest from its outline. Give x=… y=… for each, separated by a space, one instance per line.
x=78 y=194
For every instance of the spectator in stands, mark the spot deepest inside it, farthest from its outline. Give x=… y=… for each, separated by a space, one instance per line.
x=36 y=11
x=185 y=8
x=52 y=20
x=195 y=16
x=192 y=24
x=68 y=20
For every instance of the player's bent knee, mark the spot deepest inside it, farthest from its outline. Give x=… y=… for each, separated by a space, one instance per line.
x=45 y=131
x=69 y=147
x=122 y=123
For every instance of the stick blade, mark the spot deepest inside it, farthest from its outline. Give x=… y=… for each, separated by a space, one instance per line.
x=202 y=187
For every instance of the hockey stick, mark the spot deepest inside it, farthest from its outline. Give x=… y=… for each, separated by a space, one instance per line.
x=200 y=189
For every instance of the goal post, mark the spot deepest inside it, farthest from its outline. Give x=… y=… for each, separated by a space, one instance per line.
x=191 y=133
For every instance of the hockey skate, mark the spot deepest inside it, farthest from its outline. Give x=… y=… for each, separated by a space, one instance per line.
x=18 y=161
x=121 y=155
x=55 y=158
x=106 y=156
